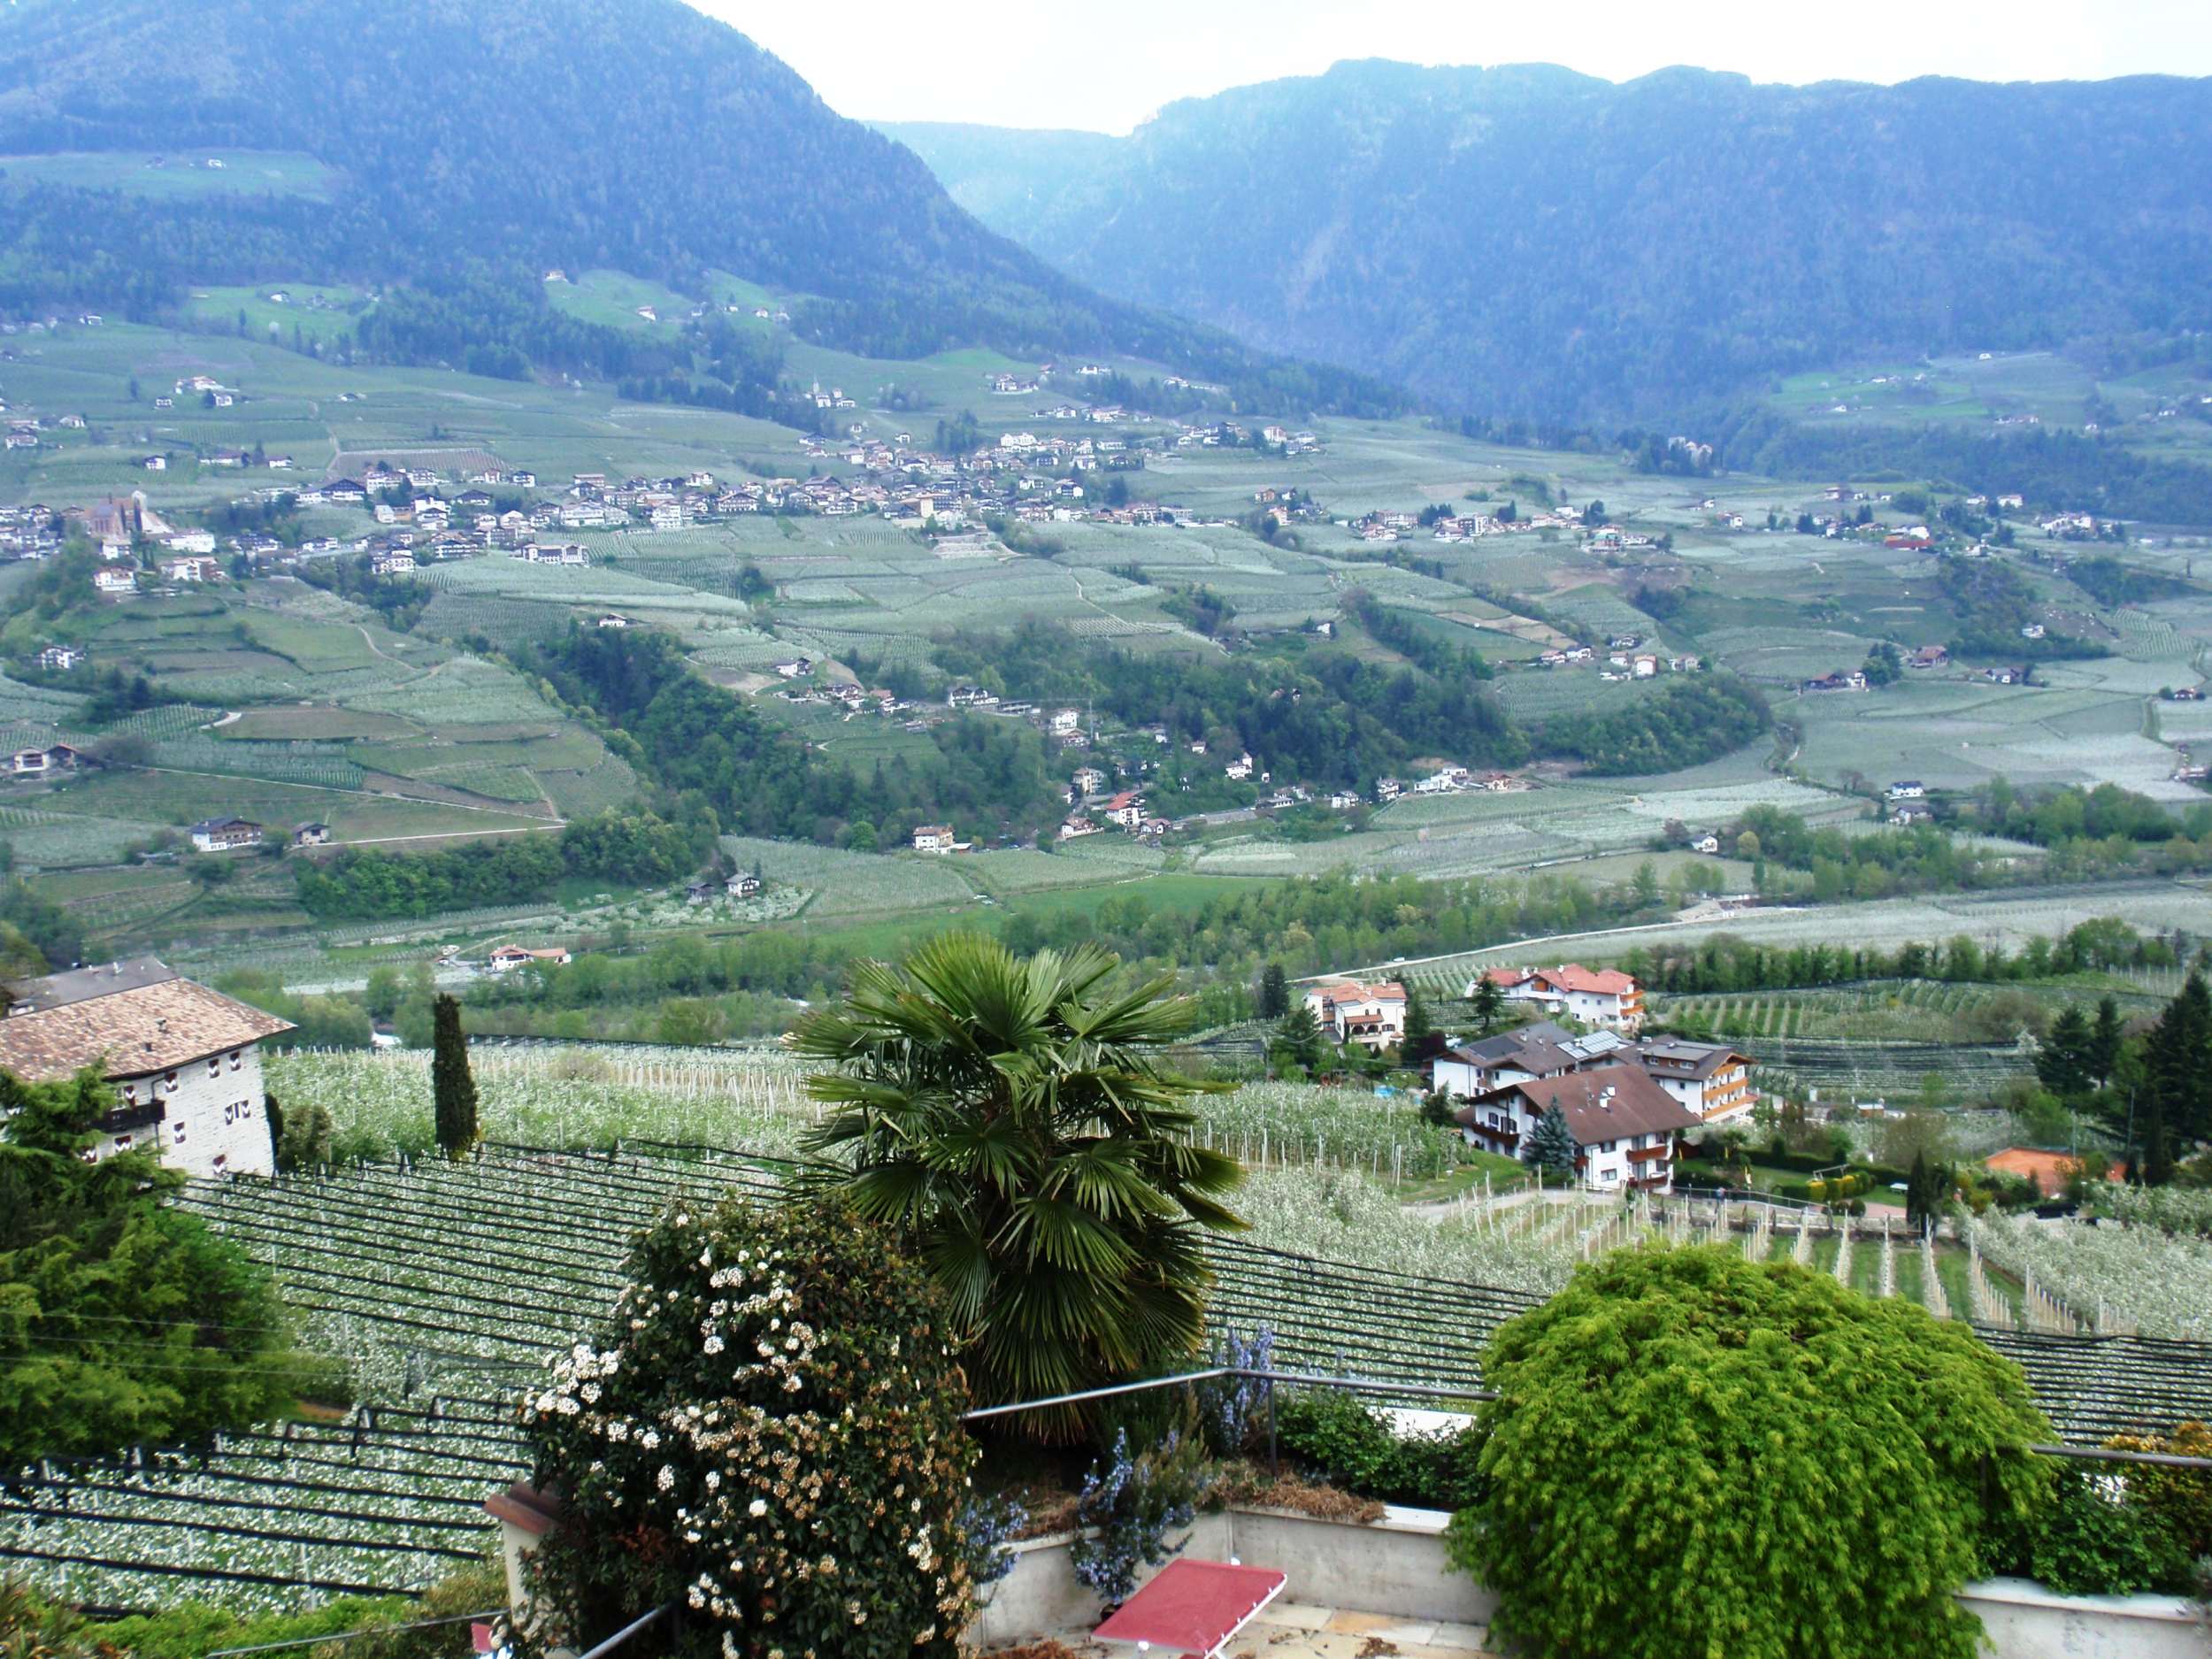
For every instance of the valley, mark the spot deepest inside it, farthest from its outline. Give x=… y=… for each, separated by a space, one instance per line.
x=284 y=698
x=1472 y=738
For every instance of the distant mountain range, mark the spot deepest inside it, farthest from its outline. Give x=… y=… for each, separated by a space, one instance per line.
x=1534 y=241
x=478 y=144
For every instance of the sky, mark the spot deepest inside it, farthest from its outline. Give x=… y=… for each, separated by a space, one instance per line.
x=1106 y=68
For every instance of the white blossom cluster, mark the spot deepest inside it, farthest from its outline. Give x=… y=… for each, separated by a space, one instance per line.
x=751 y=1478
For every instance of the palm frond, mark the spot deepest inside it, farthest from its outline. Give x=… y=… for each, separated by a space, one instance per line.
x=1065 y=1235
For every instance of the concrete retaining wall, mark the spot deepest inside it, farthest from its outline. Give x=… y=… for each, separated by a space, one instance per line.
x=1396 y=1566
x=2022 y=1620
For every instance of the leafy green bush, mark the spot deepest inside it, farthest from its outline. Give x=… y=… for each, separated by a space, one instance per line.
x=768 y=1435
x=2119 y=1528
x=1338 y=1438
x=2094 y=1539
x=191 y=1630
x=2181 y=1499
x=1334 y=1436
x=1822 y=1467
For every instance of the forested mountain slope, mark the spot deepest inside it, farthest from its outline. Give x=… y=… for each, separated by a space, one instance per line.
x=477 y=145
x=1529 y=241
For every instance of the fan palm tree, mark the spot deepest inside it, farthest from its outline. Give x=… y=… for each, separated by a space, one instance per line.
x=1012 y=1117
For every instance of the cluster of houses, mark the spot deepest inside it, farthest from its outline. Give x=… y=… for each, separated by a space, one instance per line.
x=738 y=885
x=1389 y=524
x=1623 y=660
x=1095 y=810
x=1627 y=1100
x=48 y=760
x=1905 y=802
x=117 y=531
x=1926 y=656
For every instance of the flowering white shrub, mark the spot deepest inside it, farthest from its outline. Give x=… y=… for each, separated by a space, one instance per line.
x=766 y=1436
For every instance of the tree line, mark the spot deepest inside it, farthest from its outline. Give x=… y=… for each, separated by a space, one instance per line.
x=634 y=849
x=1728 y=963
x=2149 y=1088
x=694 y=738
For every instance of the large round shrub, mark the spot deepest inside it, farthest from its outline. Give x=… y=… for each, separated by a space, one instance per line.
x=1694 y=1455
x=769 y=1438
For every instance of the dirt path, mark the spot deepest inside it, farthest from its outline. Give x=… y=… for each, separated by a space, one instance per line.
x=449 y=835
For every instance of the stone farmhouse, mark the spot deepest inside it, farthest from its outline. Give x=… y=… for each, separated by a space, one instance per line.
x=184 y=1060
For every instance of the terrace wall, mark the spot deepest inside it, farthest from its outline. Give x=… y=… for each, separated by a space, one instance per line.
x=1396 y=1566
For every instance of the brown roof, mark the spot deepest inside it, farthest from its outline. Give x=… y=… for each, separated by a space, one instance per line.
x=1638 y=1105
x=523 y=1507
x=1679 y=1056
x=145 y=1029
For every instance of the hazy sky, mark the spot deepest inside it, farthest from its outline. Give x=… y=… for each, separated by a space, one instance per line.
x=1023 y=62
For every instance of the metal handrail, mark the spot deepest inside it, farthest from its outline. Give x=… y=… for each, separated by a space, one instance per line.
x=628 y=1631
x=1428 y=1391
x=1435 y=1390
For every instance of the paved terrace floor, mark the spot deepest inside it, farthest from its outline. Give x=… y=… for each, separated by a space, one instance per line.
x=1298 y=1629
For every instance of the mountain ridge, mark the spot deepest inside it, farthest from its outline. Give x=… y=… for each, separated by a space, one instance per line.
x=1528 y=239
x=639 y=136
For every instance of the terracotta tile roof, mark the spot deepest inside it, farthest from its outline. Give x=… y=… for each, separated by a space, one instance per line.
x=145 y=1029
x=2046 y=1170
x=1574 y=976
x=1353 y=991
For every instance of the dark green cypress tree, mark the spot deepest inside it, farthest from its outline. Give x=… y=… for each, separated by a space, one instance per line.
x=1422 y=1042
x=2064 y=1065
x=1488 y=1002
x=1274 y=991
x=1918 y=1184
x=1299 y=1037
x=1551 y=1145
x=2104 y=1041
x=2176 y=1099
x=452 y=1085
x=274 y=1115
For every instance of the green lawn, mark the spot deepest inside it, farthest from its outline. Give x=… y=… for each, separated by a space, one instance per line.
x=613 y=298
x=242 y=172
x=309 y=312
x=1464 y=1180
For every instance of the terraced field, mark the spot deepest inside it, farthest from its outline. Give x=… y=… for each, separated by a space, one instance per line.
x=450 y=1284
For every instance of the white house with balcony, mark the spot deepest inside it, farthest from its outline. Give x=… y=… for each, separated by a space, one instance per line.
x=1603 y=996
x=1350 y=1010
